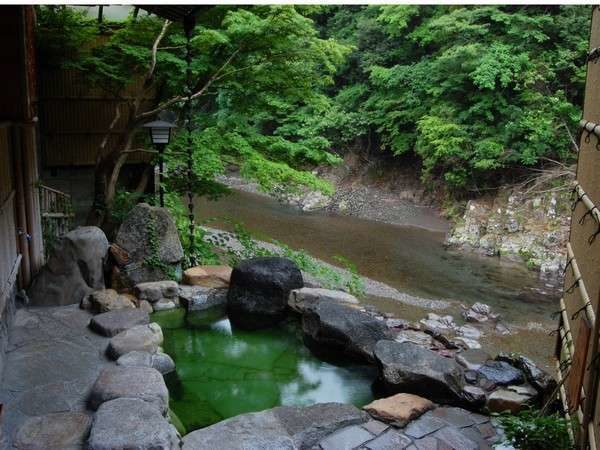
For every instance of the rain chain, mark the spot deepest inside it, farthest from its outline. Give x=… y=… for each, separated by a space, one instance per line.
x=189 y=25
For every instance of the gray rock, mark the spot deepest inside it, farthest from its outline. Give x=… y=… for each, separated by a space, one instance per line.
x=74 y=269
x=146 y=306
x=348 y=437
x=254 y=431
x=281 y=428
x=56 y=431
x=113 y=322
x=424 y=425
x=153 y=291
x=501 y=373
x=390 y=440
x=130 y=423
x=308 y=425
x=198 y=298
x=104 y=300
x=333 y=327
x=304 y=298
x=538 y=378
x=145 y=338
x=144 y=223
x=507 y=400
x=408 y=367
x=452 y=437
x=164 y=305
x=159 y=361
x=259 y=291
x=143 y=383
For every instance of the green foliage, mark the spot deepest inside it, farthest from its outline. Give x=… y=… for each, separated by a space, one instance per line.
x=475 y=92
x=153 y=260
x=262 y=71
x=527 y=430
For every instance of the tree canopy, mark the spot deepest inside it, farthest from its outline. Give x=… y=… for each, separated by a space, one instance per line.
x=477 y=94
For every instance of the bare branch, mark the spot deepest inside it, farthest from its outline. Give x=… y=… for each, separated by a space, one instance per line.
x=571 y=138
x=216 y=76
x=159 y=38
x=106 y=137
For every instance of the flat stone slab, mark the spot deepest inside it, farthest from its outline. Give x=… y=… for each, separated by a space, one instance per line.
x=129 y=423
x=304 y=298
x=159 y=361
x=390 y=440
x=143 y=383
x=399 y=409
x=208 y=276
x=281 y=428
x=349 y=437
x=144 y=338
x=424 y=425
x=113 y=322
x=501 y=373
x=454 y=438
x=56 y=431
x=198 y=298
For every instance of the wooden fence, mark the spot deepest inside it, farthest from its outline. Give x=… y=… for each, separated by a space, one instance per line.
x=9 y=255
x=75 y=117
x=579 y=328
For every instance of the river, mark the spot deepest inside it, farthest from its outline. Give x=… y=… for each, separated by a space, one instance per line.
x=410 y=257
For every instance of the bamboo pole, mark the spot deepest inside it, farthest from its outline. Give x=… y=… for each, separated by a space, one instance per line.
x=585 y=298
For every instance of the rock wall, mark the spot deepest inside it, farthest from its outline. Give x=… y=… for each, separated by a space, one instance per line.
x=531 y=229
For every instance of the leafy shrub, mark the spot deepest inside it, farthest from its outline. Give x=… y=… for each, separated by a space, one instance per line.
x=527 y=430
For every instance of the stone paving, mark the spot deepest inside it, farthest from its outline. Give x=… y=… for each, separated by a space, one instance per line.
x=444 y=428
x=53 y=359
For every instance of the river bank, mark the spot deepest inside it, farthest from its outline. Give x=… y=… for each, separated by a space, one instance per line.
x=407 y=271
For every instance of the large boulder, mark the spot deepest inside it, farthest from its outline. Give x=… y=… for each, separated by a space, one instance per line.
x=408 y=367
x=130 y=423
x=143 y=338
x=259 y=291
x=281 y=428
x=342 y=330
x=149 y=246
x=74 y=269
x=144 y=383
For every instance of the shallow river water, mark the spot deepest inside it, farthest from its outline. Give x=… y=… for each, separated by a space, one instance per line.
x=410 y=258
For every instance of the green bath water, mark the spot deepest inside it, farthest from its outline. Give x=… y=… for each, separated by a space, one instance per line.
x=222 y=372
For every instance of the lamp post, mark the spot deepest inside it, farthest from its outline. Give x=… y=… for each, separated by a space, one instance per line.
x=160 y=135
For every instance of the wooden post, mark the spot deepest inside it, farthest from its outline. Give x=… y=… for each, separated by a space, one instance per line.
x=22 y=241
x=32 y=200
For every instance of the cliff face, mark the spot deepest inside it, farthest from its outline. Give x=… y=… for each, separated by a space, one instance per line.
x=532 y=229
